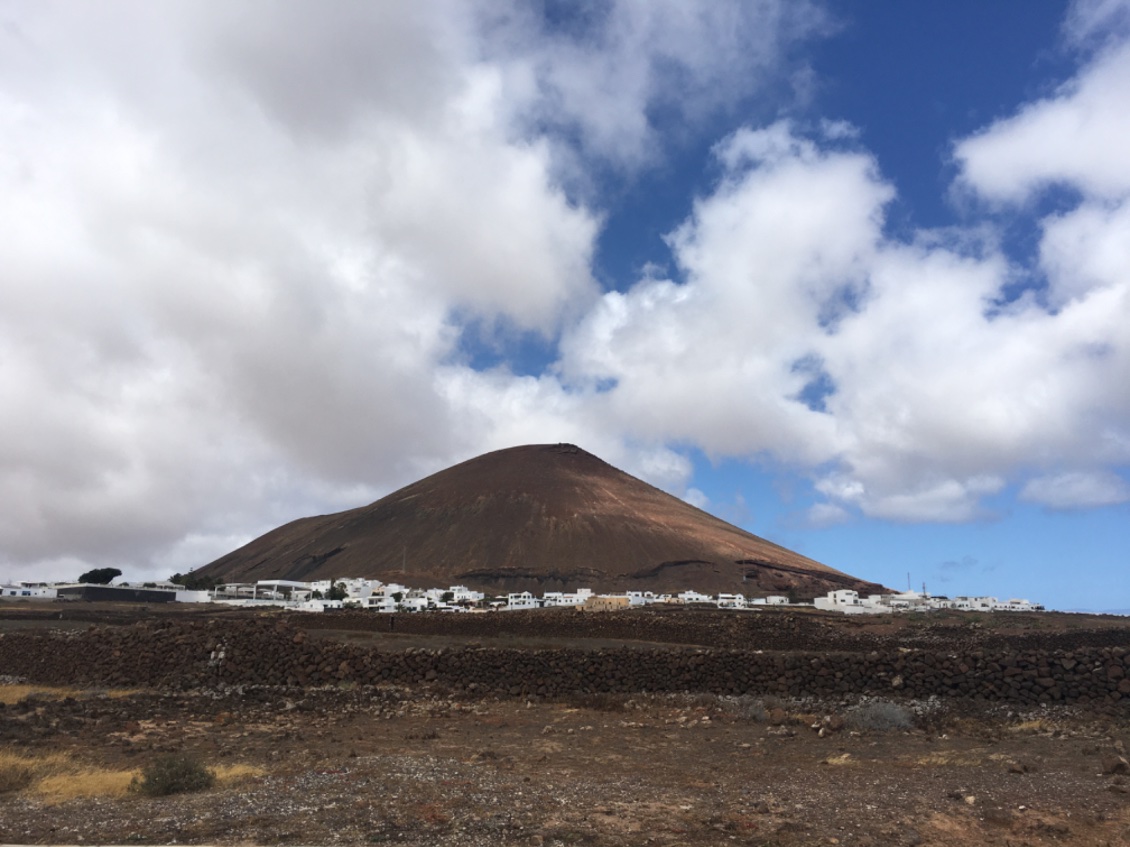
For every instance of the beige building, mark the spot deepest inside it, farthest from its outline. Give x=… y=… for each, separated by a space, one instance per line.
x=606 y=604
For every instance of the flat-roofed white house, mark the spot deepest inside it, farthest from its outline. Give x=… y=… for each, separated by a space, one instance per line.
x=521 y=600
x=561 y=598
x=380 y=603
x=771 y=600
x=849 y=602
x=463 y=594
x=694 y=597
x=731 y=601
x=28 y=591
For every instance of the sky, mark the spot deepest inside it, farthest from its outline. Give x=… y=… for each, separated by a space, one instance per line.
x=852 y=275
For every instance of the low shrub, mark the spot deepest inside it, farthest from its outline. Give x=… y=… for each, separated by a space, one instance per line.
x=746 y=707
x=173 y=774
x=880 y=716
x=14 y=777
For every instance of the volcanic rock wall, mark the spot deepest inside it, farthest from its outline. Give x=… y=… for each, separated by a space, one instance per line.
x=764 y=630
x=190 y=655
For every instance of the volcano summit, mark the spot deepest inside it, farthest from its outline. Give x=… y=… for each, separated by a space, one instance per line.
x=541 y=517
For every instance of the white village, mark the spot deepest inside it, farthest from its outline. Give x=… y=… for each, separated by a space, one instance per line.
x=389 y=598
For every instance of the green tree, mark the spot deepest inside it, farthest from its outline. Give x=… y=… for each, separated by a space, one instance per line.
x=192 y=582
x=100 y=576
x=337 y=591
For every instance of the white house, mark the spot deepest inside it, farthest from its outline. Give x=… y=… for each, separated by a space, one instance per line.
x=848 y=602
x=974 y=604
x=694 y=597
x=1017 y=606
x=838 y=600
x=28 y=591
x=463 y=594
x=731 y=601
x=380 y=603
x=907 y=601
x=522 y=600
x=559 y=598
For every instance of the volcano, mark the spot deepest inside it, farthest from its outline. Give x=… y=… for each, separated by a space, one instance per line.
x=541 y=517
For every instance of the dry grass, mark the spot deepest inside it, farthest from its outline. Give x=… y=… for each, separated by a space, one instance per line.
x=237 y=773
x=39 y=765
x=88 y=782
x=12 y=694
x=56 y=777
x=972 y=759
x=1032 y=727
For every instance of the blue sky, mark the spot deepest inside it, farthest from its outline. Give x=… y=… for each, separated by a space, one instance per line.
x=855 y=276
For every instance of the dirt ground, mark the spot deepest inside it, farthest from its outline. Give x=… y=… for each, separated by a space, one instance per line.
x=422 y=766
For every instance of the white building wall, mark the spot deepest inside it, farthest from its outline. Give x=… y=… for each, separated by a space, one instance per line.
x=184 y=596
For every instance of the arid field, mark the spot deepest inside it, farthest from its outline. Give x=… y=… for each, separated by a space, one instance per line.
x=438 y=760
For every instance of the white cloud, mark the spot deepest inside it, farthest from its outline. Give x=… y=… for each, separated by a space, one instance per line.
x=936 y=394
x=212 y=307
x=1098 y=21
x=613 y=65
x=243 y=245
x=1077 y=490
x=697 y=498
x=826 y=514
x=1076 y=137
x=769 y=257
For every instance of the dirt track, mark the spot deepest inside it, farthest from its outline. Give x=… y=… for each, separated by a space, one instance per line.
x=421 y=765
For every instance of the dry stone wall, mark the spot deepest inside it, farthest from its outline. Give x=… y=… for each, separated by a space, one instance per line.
x=262 y=652
x=767 y=629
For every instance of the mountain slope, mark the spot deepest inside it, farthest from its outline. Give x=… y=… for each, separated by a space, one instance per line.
x=538 y=517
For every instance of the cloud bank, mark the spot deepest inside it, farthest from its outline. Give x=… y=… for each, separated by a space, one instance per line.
x=249 y=251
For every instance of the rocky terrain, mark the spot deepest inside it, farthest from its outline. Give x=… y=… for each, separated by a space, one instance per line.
x=561 y=729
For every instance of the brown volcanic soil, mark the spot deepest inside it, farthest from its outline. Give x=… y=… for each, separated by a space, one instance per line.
x=418 y=765
x=540 y=517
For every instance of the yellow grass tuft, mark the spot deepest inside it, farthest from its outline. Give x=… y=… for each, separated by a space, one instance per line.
x=234 y=774
x=18 y=772
x=12 y=694
x=970 y=759
x=56 y=777
x=1032 y=727
x=91 y=782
